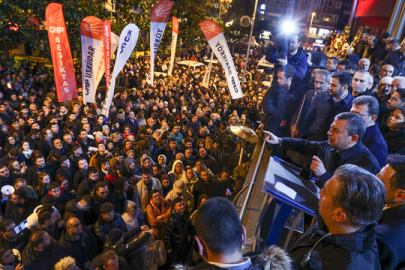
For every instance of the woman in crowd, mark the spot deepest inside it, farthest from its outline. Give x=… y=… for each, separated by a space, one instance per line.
x=133 y=215
x=394 y=134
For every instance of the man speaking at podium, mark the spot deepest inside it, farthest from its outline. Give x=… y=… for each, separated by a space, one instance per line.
x=344 y=146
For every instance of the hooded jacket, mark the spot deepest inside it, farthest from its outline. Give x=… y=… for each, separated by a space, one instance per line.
x=45 y=260
x=189 y=182
x=188 y=198
x=358 y=250
x=141 y=193
x=172 y=175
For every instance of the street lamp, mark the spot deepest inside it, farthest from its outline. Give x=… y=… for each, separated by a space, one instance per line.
x=310 y=25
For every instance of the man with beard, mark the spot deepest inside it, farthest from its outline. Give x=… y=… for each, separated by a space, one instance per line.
x=76 y=154
x=6 y=177
x=65 y=169
x=326 y=105
x=81 y=174
x=78 y=241
x=42 y=252
x=396 y=101
x=40 y=166
x=108 y=220
x=45 y=145
x=296 y=57
x=177 y=232
x=101 y=196
x=19 y=206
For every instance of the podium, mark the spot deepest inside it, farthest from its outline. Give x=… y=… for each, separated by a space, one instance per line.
x=285 y=188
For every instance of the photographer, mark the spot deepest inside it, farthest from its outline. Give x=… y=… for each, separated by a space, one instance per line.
x=296 y=57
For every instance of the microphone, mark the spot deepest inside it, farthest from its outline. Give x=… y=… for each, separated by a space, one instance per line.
x=306 y=172
x=307 y=257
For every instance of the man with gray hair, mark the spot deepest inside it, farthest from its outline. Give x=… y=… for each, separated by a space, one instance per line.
x=345 y=236
x=367 y=108
x=397 y=82
x=321 y=83
x=344 y=146
x=364 y=64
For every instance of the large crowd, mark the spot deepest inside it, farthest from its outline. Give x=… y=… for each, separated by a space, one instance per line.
x=82 y=191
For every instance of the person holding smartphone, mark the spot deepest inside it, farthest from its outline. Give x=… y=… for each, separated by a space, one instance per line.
x=295 y=57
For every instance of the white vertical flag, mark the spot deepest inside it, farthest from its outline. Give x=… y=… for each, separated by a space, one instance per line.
x=217 y=42
x=91 y=30
x=206 y=79
x=158 y=21
x=175 y=32
x=128 y=39
x=101 y=65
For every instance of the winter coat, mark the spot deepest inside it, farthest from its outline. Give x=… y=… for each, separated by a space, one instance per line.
x=45 y=260
x=177 y=230
x=358 y=250
x=82 y=250
x=102 y=228
x=72 y=210
x=187 y=196
x=152 y=212
x=395 y=140
x=141 y=193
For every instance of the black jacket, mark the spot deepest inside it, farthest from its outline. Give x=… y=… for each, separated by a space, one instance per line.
x=45 y=260
x=59 y=202
x=357 y=250
x=111 y=198
x=275 y=108
x=33 y=171
x=321 y=114
x=127 y=248
x=102 y=228
x=82 y=250
x=211 y=189
x=358 y=155
x=391 y=227
x=13 y=210
x=72 y=210
x=85 y=187
x=395 y=140
x=177 y=230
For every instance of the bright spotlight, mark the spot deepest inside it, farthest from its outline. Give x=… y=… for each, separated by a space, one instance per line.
x=288 y=27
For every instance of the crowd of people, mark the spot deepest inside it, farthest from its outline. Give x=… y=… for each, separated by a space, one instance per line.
x=127 y=191
x=101 y=191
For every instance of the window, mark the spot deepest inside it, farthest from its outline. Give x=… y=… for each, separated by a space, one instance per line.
x=338 y=5
x=328 y=18
x=330 y=4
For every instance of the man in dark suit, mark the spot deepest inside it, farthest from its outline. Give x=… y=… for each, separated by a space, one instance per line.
x=367 y=108
x=391 y=225
x=344 y=146
x=326 y=105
